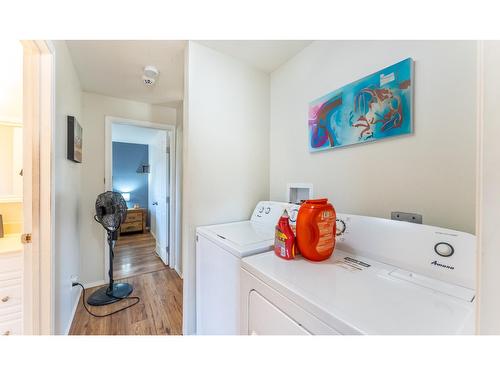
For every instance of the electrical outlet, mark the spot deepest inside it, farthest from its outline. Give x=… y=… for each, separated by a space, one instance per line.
x=406 y=216
x=74 y=279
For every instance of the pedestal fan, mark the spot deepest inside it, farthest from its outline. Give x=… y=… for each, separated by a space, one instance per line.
x=111 y=211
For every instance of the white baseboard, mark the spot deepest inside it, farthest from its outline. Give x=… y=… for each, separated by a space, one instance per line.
x=94 y=284
x=73 y=311
x=179 y=272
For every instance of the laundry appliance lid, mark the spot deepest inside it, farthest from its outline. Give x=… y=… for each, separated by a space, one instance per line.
x=241 y=238
x=244 y=233
x=356 y=295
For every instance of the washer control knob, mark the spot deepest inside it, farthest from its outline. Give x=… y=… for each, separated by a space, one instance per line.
x=261 y=210
x=268 y=209
x=340 y=227
x=444 y=249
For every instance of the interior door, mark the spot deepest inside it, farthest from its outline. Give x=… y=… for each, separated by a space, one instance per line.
x=159 y=173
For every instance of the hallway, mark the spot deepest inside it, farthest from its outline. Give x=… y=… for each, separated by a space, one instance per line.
x=160 y=289
x=135 y=254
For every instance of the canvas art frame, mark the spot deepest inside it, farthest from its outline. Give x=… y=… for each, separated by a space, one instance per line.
x=376 y=107
x=75 y=140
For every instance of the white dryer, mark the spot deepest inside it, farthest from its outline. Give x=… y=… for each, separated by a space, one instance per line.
x=219 y=249
x=385 y=277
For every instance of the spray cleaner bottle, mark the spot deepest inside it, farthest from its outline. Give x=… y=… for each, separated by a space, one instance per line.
x=284 y=240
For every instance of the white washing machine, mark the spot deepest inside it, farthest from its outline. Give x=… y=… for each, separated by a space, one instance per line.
x=385 y=277
x=219 y=249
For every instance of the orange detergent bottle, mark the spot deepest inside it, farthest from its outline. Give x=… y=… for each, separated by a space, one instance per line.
x=284 y=239
x=316 y=229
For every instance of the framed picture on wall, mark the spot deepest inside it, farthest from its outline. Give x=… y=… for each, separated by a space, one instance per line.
x=75 y=140
x=375 y=107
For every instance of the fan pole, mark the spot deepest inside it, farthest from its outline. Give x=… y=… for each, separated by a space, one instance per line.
x=111 y=256
x=113 y=292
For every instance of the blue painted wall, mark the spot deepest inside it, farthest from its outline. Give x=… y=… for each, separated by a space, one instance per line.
x=128 y=159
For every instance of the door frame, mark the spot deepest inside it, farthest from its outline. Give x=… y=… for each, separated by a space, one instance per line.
x=175 y=204
x=38 y=125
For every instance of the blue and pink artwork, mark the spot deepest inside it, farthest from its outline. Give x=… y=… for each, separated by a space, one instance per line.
x=376 y=107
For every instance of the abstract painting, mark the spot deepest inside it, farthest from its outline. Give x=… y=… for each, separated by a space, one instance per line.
x=376 y=107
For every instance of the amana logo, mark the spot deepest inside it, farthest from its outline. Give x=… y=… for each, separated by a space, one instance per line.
x=435 y=263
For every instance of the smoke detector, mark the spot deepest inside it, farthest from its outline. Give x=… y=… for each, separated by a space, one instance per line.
x=150 y=75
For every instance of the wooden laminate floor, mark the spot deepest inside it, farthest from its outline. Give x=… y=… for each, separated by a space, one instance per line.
x=160 y=289
x=135 y=254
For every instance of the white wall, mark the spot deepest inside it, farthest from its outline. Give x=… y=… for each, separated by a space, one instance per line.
x=95 y=109
x=68 y=177
x=431 y=172
x=226 y=149
x=11 y=111
x=489 y=188
x=6 y=160
x=11 y=76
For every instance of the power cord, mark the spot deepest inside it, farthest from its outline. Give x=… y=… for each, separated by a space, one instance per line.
x=137 y=300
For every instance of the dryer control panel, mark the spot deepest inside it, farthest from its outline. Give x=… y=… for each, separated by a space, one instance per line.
x=439 y=253
x=269 y=212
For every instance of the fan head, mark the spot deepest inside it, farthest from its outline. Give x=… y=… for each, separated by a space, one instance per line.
x=111 y=210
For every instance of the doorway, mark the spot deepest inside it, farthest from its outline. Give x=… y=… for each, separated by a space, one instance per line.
x=138 y=256
x=140 y=173
x=26 y=194
x=11 y=189
x=140 y=164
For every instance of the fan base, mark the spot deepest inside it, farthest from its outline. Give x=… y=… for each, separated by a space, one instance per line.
x=101 y=296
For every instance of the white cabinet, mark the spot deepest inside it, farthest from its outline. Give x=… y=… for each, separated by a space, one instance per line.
x=12 y=326
x=11 y=293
